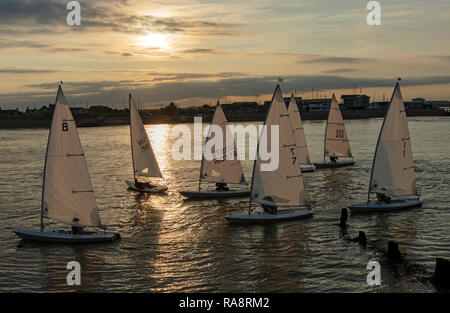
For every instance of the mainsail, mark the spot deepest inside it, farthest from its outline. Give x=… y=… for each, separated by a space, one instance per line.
x=67 y=191
x=299 y=133
x=393 y=168
x=282 y=186
x=222 y=166
x=144 y=161
x=336 y=140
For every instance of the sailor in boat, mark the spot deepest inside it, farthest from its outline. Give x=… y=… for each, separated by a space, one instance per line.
x=383 y=197
x=141 y=185
x=77 y=230
x=333 y=159
x=222 y=187
x=271 y=209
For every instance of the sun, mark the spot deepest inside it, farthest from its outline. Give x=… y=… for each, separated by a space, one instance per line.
x=154 y=40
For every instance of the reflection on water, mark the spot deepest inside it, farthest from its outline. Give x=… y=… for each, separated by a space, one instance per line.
x=169 y=244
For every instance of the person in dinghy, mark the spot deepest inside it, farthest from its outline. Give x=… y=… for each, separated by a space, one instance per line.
x=142 y=155
x=67 y=193
x=392 y=178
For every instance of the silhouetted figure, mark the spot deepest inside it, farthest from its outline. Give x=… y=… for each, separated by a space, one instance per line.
x=271 y=209
x=142 y=185
x=333 y=159
x=383 y=198
x=76 y=230
x=222 y=187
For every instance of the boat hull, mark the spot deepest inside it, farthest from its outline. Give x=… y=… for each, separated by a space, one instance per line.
x=308 y=169
x=334 y=164
x=213 y=194
x=66 y=236
x=379 y=206
x=285 y=214
x=156 y=189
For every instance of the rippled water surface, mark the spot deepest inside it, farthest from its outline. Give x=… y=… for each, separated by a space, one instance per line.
x=173 y=245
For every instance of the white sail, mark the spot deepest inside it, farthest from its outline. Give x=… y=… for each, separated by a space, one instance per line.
x=336 y=139
x=284 y=185
x=67 y=191
x=144 y=161
x=299 y=133
x=222 y=166
x=393 y=168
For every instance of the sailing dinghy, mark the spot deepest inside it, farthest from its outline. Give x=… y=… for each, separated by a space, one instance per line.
x=299 y=137
x=222 y=166
x=281 y=188
x=67 y=194
x=392 y=177
x=143 y=158
x=336 y=143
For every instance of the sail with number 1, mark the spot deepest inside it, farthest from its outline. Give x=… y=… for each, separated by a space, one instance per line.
x=392 y=178
x=143 y=157
x=67 y=193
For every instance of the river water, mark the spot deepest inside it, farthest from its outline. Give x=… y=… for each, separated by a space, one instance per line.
x=172 y=245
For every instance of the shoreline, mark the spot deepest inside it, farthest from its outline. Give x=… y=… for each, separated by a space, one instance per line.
x=12 y=122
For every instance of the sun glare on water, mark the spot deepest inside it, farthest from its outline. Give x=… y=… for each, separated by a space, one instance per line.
x=154 y=40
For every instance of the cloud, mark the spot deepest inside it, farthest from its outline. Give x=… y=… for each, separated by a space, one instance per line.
x=25 y=71
x=339 y=70
x=156 y=93
x=334 y=59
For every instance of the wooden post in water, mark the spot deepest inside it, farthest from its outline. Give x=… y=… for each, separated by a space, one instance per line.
x=442 y=272
x=343 y=220
x=362 y=239
x=394 y=252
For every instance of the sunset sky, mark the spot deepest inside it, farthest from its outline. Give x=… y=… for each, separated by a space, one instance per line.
x=196 y=51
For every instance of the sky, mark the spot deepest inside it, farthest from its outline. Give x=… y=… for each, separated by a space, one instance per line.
x=194 y=52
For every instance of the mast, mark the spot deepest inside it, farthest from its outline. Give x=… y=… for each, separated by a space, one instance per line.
x=45 y=164
x=131 y=136
x=325 y=138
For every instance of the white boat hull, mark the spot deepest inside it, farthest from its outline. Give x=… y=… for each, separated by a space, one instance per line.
x=66 y=236
x=213 y=194
x=156 y=189
x=334 y=164
x=284 y=214
x=379 y=206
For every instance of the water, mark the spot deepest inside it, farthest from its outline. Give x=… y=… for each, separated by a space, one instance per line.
x=171 y=245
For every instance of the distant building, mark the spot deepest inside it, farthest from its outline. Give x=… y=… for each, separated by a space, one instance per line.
x=316 y=105
x=240 y=107
x=10 y=112
x=298 y=100
x=355 y=101
x=419 y=100
x=79 y=110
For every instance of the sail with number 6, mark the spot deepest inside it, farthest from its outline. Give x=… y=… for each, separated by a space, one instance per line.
x=281 y=186
x=336 y=139
x=67 y=194
x=393 y=167
x=221 y=164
